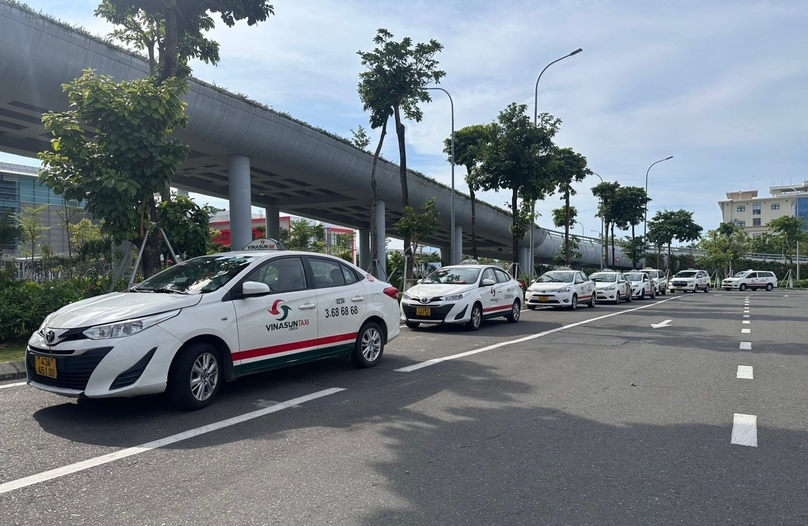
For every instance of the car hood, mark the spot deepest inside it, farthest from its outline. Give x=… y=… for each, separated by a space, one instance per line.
x=604 y=284
x=435 y=290
x=733 y=280
x=118 y=306
x=683 y=279
x=547 y=286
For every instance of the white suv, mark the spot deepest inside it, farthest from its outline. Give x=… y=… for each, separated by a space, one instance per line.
x=658 y=277
x=690 y=280
x=753 y=279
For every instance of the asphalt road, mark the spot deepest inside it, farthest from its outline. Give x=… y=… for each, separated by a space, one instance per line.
x=567 y=417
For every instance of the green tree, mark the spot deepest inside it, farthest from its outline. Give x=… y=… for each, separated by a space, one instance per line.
x=564 y=216
x=469 y=143
x=361 y=139
x=629 y=211
x=343 y=246
x=114 y=150
x=396 y=77
x=517 y=158
x=32 y=228
x=68 y=216
x=633 y=248
x=607 y=210
x=765 y=243
x=568 y=167
x=669 y=225
x=186 y=226
x=172 y=31
x=724 y=246
x=789 y=230
x=9 y=229
x=304 y=235
x=415 y=226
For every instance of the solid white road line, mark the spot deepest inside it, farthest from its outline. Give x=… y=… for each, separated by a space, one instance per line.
x=744 y=430
x=173 y=439
x=12 y=385
x=746 y=346
x=435 y=361
x=746 y=331
x=745 y=372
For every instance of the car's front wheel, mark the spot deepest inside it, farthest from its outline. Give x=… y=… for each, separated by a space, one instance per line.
x=195 y=377
x=742 y=287
x=369 y=345
x=574 y=302
x=591 y=303
x=707 y=288
x=476 y=318
x=769 y=287
x=516 y=311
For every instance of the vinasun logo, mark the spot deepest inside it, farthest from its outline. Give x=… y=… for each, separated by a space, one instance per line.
x=278 y=308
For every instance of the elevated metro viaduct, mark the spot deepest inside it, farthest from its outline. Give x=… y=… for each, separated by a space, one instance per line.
x=243 y=151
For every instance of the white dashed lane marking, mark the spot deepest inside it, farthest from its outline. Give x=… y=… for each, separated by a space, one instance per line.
x=746 y=346
x=744 y=430
x=746 y=331
x=746 y=322
x=745 y=372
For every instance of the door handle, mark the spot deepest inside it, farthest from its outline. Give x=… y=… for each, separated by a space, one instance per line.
x=307 y=306
x=356 y=299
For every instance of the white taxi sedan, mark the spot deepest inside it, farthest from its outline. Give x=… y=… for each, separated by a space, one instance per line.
x=611 y=286
x=641 y=284
x=561 y=288
x=212 y=319
x=462 y=294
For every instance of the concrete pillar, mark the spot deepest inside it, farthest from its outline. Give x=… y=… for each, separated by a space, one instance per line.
x=273 y=222
x=524 y=260
x=445 y=255
x=457 y=257
x=382 y=231
x=240 y=201
x=364 y=248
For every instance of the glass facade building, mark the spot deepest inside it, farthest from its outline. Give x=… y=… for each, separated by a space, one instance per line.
x=20 y=189
x=801 y=210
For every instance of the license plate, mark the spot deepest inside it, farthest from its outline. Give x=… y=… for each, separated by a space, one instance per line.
x=45 y=366
x=544 y=299
x=423 y=311
x=678 y=287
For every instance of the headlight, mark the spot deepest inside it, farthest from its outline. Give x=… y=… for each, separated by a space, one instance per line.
x=612 y=287
x=407 y=296
x=455 y=297
x=125 y=328
x=565 y=289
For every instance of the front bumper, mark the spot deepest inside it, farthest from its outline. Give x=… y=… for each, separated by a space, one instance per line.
x=682 y=285
x=553 y=299
x=120 y=367
x=606 y=295
x=436 y=312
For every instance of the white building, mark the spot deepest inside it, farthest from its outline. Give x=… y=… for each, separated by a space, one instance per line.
x=752 y=213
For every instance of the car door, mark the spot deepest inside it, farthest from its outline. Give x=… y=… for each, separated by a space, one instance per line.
x=342 y=302
x=585 y=286
x=505 y=292
x=492 y=295
x=279 y=327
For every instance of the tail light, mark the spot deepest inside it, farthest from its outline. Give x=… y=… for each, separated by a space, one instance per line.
x=392 y=292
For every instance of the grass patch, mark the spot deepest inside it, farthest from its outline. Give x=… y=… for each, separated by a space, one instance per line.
x=12 y=352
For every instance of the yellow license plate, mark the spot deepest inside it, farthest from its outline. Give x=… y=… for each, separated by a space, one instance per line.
x=544 y=298
x=423 y=311
x=45 y=366
x=678 y=287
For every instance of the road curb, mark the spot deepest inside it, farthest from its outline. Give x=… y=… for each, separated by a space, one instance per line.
x=12 y=370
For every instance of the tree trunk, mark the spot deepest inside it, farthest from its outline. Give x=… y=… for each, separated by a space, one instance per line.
x=405 y=194
x=473 y=224
x=613 y=254
x=514 y=240
x=151 y=254
x=374 y=231
x=169 y=57
x=633 y=248
x=567 y=257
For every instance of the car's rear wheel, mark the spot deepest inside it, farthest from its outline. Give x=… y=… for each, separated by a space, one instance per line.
x=591 y=303
x=769 y=287
x=195 y=376
x=707 y=288
x=574 y=302
x=369 y=345
x=664 y=292
x=742 y=287
x=476 y=318
x=628 y=296
x=516 y=311
x=412 y=324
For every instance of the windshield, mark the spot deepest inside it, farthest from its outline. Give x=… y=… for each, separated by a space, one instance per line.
x=555 y=277
x=453 y=276
x=604 y=278
x=686 y=274
x=634 y=276
x=741 y=274
x=196 y=276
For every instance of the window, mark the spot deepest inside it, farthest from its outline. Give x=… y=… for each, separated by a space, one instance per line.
x=327 y=273
x=740 y=223
x=502 y=276
x=489 y=274
x=740 y=208
x=755 y=209
x=775 y=206
x=756 y=220
x=281 y=274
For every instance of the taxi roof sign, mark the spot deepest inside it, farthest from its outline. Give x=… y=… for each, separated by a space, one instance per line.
x=264 y=243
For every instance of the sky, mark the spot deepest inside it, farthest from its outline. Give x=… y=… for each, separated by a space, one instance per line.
x=722 y=86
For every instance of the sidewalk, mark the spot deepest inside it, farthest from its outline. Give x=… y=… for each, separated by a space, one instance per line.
x=12 y=370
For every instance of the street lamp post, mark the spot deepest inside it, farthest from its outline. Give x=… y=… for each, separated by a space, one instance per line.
x=645 y=218
x=603 y=247
x=453 y=259
x=535 y=123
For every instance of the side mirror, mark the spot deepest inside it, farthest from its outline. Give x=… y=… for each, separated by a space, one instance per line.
x=487 y=282
x=254 y=288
